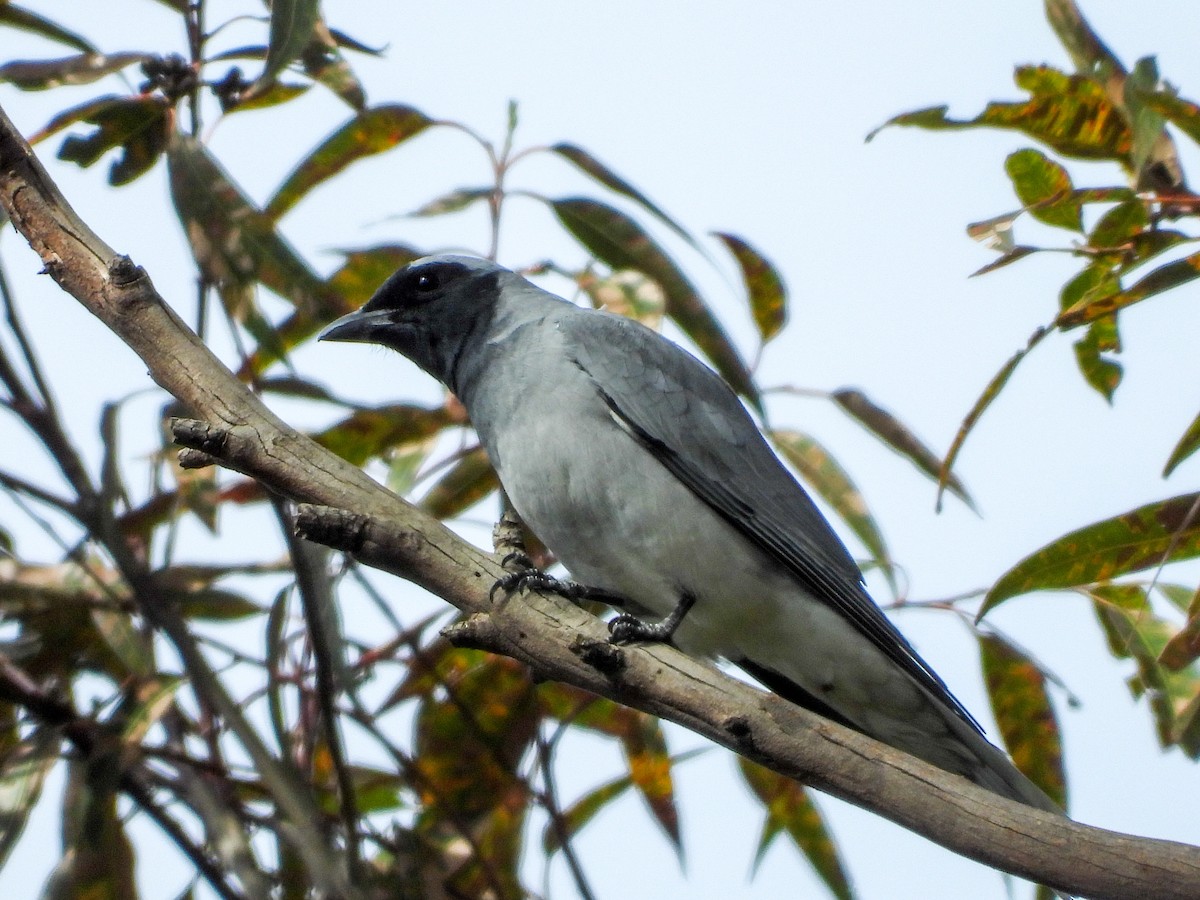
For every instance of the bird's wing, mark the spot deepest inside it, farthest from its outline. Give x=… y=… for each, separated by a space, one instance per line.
x=687 y=417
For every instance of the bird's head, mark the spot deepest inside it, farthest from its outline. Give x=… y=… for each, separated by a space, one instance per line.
x=428 y=311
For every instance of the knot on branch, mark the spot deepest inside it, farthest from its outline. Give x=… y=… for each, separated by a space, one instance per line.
x=337 y=528
x=199 y=436
x=123 y=271
x=473 y=633
x=607 y=659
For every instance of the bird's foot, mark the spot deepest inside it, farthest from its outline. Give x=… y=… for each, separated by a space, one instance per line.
x=627 y=629
x=525 y=574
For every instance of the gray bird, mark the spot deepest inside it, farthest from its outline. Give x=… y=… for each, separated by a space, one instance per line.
x=639 y=468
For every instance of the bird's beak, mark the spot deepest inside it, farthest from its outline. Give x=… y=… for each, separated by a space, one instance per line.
x=362 y=326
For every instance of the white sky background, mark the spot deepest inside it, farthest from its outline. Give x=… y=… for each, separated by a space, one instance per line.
x=743 y=118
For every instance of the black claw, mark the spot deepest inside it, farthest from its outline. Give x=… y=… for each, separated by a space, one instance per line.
x=627 y=629
x=534 y=579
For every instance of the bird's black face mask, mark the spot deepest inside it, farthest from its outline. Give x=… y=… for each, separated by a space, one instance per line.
x=427 y=311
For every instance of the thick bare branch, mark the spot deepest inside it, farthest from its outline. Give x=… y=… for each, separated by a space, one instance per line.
x=558 y=640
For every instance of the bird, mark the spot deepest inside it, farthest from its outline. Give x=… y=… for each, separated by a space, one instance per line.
x=643 y=473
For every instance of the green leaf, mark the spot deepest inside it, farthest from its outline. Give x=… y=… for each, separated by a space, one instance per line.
x=990 y=393
x=139 y=126
x=764 y=286
x=790 y=809
x=1017 y=690
x=372 y=131
x=896 y=435
x=370 y=433
x=22 y=19
x=23 y=771
x=468 y=481
x=1188 y=444
x=276 y=95
x=1117 y=226
x=84 y=68
x=1146 y=537
x=1184 y=114
x=453 y=202
x=1135 y=632
x=1069 y=113
x=573 y=819
x=650 y=768
x=1009 y=256
x=215 y=605
x=626 y=292
x=1088 y=52
x=236 y=245
x=364 y=270
x=620 y=242
x=1101 y=372
x=1164 y=278
x=830 y=481
x=323 y=62
x=1045 y=188
x=129 y=645
x=154 y=698
x=589 y=165
x=292 y=23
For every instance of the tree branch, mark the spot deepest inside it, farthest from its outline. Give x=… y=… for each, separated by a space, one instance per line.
x=558 y=640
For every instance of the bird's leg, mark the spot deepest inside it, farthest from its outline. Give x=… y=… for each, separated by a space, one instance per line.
x=625 y=629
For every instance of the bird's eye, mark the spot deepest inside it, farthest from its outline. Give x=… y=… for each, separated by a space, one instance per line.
x=426 y=282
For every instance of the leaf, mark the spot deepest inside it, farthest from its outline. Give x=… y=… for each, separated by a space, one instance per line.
x=370 y=433
x=1183 y=648
x=1135 y=632
x=764 y=286
x=790 y=809
x=23 y=771
x=1188 y=444
x=1069 y=113
x=153 y=698
x=1117 y=226
x=573 y=819
x=1146 y=537
x=896 y=435
x=130 y=646
x=1088 y=52
x=84 y=68
x=453 y=202
x=364 y=270
x=468 y=481
x=626 y=292
x=990 y=393
x=292 y=23
x=582 y=811
x=996 y=233
x=276 y=95
x=1045 y=188
x=589 y=165
x=1184 y=114
x=1101 y=372
x=823 y=474
x=323 y=62
x=1164 y=278
x=214 y=605
x=620 y=242
x=236 y=245
x=22 y=19
x=372 y=131
x=139 y=126
x=650 y=768
x=1009 y=256
x=1017 y=690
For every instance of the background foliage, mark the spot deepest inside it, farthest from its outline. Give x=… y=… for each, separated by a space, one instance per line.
x=453 y=808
